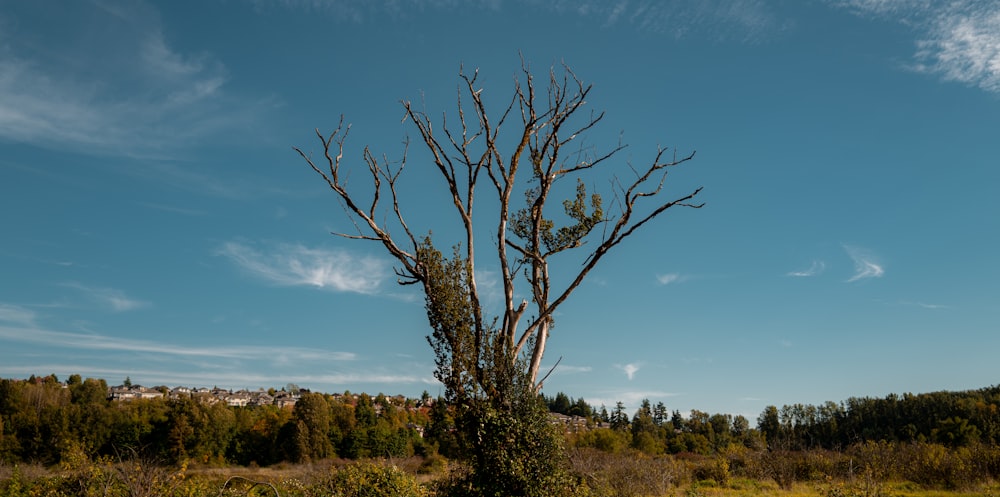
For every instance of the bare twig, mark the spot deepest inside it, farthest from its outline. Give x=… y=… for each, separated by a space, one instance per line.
x=253 y=484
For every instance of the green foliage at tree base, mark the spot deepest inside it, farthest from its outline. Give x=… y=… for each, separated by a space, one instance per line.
x=370 y=479
x=515 y=452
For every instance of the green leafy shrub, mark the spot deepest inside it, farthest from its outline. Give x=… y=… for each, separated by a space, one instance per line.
x=512 y=450
x=16 y=484
x=605 y=439
x=369 y=479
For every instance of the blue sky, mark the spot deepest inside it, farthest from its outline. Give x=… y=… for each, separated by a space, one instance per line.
x=157 y=224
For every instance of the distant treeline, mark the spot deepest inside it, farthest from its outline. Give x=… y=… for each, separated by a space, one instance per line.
x=950 y=419
x=43 y=420
x=954 y=419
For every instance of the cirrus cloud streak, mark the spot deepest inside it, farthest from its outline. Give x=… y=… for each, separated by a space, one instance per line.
x=295 y=265
x=815 y=269
x=63 y=339
x=160 y=100
x=957 y=40
x=866 y=265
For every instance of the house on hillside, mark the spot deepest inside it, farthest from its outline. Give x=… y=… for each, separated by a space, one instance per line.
x=238 y=399
x=260 y=398
x=131 y=392
x=179 y=393
x=285 y=399
x=571 y=423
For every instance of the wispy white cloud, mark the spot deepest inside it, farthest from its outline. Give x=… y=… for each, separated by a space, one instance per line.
x=669 y=278
x=815 y=269
x=616 y=11
x=376 y=377
x=743 y=20
x=629 y=369
x=898 y=8
x=964 y=46
x=924 y=305
x=293 y=265
x=229 y=379
x=957 y=40
x=115 y=300
x=271 y=354
x=866 y=265
x=567 y=369
x=163 y=362
x=15 y=314
x=193 y=78
x=158 y=99
x=490 y=286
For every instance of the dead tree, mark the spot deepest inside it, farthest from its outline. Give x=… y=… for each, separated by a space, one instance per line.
x=530 y=147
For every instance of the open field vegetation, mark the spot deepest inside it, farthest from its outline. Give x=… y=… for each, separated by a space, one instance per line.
x=69 y=439
x=600 y=474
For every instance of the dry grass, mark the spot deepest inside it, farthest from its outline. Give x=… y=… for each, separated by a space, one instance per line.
x=306 y=472
x=754 y=488
x=606 y=475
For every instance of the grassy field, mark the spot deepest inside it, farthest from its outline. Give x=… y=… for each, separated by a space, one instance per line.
x=753 y=488
x=327 y=478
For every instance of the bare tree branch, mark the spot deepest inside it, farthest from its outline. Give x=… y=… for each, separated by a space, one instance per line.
x=525 y=238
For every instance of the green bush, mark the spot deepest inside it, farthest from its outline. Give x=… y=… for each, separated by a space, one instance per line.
x=604 y=439
x=512 y=451
x=14 y=485
x=368 y=479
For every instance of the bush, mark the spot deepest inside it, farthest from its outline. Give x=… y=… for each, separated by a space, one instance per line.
x=781 y=465
x=368 y=479
x=433 y=463
x=512 y=451
x=627 y=474
x=715 y=470
x=605 y=439
x=935 y=465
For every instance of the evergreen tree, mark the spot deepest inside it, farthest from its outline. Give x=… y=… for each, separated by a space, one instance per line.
x=619 y=419
x=660 y=414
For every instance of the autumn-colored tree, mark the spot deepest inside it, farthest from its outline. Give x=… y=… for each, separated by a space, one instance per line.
x=311 y=416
